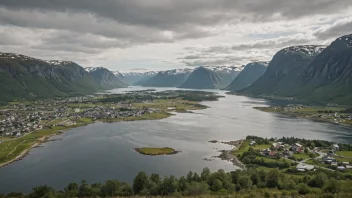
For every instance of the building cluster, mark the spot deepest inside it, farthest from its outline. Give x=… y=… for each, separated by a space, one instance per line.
x=330 y=158
x=15 y=124
x=280 y=149
x=102 y=112
x=21 y=118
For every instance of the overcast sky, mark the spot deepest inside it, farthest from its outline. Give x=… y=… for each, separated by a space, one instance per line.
x=163 y=34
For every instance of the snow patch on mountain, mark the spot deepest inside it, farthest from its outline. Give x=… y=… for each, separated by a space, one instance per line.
x=130 y=74
x=310 y=50
x=226 y=69
x=176 y=71
x=16 y=56
x=92 y=69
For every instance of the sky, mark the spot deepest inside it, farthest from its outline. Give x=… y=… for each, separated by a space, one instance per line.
x=141 y=35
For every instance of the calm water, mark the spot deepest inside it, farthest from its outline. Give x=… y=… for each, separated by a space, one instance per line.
x=102 y=151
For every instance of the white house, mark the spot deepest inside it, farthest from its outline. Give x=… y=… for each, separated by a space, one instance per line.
x=341 y=168
x=252 y=143
x=335 y=147
x=305 y=167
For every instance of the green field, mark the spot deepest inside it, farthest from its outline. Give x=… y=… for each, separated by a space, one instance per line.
x=301 y=156
x=156 y=151
x=345 y=153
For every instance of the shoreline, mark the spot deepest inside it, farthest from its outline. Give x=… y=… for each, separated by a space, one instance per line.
x=296 y=115
x=44 y=139
x=227 y=154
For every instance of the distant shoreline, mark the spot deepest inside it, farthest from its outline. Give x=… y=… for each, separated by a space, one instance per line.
x=296 y=115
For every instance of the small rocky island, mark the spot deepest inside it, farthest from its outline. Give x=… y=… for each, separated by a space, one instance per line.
x=156 y=151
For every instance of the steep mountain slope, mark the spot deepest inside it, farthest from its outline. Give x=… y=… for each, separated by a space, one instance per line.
x=227 y=74
x=248 y=75
x=26 y=77
x=209 y=78
x=105 y=78
x=135 y=78
x=328 y=78
x=279 y=78
x=169 y=78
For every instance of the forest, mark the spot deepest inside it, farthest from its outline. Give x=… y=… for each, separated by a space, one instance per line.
x=240 y=183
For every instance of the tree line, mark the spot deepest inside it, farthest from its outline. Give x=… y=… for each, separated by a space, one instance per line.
x=256 y=182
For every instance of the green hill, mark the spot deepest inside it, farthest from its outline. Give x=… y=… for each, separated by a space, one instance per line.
x=248 y=75
x=23 y=77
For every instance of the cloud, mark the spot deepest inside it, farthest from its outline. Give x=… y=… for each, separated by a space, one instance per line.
x=339 y=27
x=279 y=42
x=217 y=32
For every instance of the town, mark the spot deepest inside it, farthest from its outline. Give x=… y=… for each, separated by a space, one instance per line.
x=22 y=117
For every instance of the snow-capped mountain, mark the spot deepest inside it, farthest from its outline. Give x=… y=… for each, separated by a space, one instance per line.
x=135 y=78
x=105 y=78
x=248 y=76
x=282 y=73
x=310 y=50
x=168 y=78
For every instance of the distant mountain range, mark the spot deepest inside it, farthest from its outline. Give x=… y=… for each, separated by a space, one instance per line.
x=105 y=78
x=169 y=78
x=135 y=78
x=310 y=73
x=211 y=77
x=248 y=75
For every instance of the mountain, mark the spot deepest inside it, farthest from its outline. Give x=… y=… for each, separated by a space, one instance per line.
x=105 y=78
x=28 y=78
x=169 y=78
x=135 y=78
x=210 y=77
x=328 y=78
x=279 y=78
x=248 y=75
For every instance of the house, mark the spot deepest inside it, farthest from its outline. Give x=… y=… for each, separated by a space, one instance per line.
x=349 y=167
x=296 y=147
x=328 y=159
x=266 y=152
x=335 y=147
x=287 y=152
x=305 y=167
x=252 y=143
x=345 y=163
x=341 y=168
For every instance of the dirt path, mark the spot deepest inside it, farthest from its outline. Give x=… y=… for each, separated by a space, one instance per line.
x=23 y=153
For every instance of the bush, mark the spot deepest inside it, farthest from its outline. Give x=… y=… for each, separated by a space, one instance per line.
x=303 y=189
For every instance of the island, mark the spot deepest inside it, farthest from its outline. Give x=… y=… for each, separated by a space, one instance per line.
x=156 y=151
x=27 y=124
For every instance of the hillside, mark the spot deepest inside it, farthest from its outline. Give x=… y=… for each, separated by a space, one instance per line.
x=328 y=78
x=310 y=74
x=169 y=78
x=135 y=78
x=28 y=78
x=105 y=78
x=279 y=78
x=209 y=78
x=247 y=76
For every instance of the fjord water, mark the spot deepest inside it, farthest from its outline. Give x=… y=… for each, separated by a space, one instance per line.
x=102 y=151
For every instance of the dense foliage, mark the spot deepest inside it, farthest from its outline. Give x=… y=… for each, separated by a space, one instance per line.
x=258 y=181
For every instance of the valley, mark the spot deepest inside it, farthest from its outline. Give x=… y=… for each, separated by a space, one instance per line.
x=27 y=124
x=114 y=142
